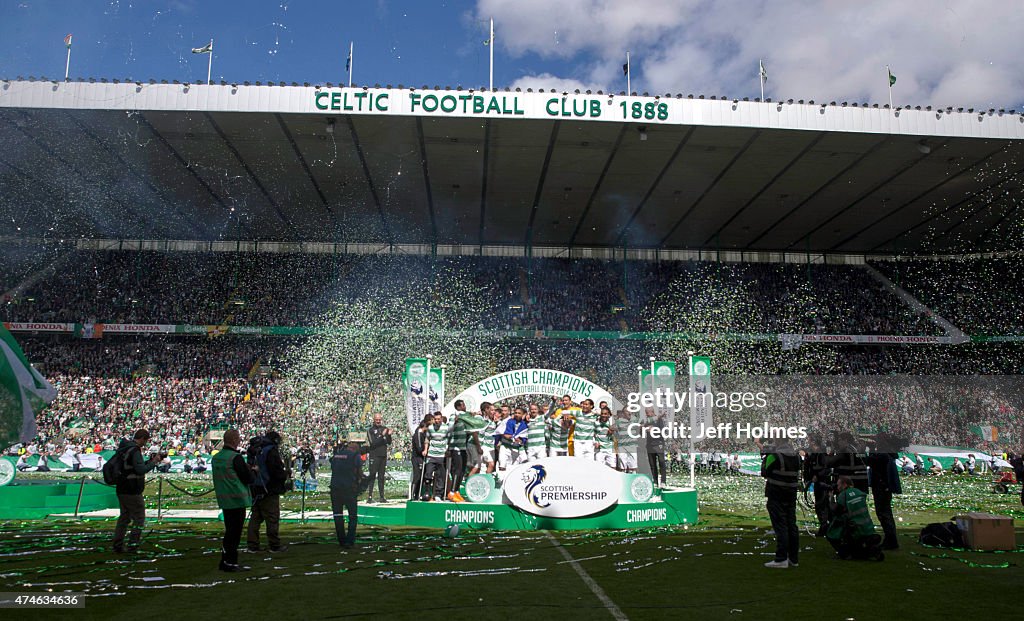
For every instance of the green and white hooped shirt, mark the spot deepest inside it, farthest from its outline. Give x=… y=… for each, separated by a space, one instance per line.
x=438 y=436
x=585 y=427
x=607 y=442
x=536 y=433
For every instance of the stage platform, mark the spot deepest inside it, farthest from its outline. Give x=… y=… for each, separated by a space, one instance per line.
x=33 y=500
x=675 y=506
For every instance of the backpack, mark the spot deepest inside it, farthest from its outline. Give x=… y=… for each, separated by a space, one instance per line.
x=115 y=470
x=256 y=456
x=942 y=535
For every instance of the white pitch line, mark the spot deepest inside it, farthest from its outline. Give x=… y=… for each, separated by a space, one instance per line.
x=595 y=588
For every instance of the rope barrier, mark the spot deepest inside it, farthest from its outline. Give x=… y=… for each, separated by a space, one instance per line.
x=185 y=491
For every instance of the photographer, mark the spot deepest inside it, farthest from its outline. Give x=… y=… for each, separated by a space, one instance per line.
x=852 y=533
x=267 y=487
x=816 y=473
x=849 y=461
x=378 y=456
x=305 y=461
x=130 y=488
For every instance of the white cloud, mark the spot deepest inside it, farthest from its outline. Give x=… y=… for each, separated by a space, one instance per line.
x=957 y=52
x=547 y=81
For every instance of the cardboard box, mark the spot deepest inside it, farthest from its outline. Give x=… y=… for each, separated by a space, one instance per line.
x=984 y=531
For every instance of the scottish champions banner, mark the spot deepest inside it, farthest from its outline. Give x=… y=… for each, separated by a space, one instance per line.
x=523 y=382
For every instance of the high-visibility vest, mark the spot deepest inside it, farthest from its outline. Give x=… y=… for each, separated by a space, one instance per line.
x=231 y=492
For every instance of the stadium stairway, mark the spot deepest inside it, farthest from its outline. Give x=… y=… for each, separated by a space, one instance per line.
x=524 y=289
x=54 y=267
x=958 y=335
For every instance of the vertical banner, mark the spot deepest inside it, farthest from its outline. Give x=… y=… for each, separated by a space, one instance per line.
x=436 y=392
x=646 y=384
x=663 y=385
x=414 y=385
x=701 y=397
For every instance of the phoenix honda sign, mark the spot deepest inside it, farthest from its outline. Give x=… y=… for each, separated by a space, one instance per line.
x=562 y=487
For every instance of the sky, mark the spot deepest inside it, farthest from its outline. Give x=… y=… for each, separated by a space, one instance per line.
x=943 y=53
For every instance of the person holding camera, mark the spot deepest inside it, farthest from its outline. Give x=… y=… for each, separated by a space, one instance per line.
x=269 y=483
x=852 y=533
x=378 y=456
x=817 y=474
x=130 y=488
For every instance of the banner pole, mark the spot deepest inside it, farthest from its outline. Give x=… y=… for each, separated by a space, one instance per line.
x=81 y=489
x=693 y=479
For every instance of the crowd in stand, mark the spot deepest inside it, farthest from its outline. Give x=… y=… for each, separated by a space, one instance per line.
x=274 y=289
x=182 y=387
x=980 y=296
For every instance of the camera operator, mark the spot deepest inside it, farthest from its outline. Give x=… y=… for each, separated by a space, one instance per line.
x=378 y=456
x=130 y=487
x=816 y=472
x=780 y=467
x=885 y=481
x=270 y=482
x=306 y=462
x=849 y=461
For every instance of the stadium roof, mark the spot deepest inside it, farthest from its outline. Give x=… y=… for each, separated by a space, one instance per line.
x=171 y=161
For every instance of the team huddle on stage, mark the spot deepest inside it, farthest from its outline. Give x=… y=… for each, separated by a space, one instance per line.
x=495 y=440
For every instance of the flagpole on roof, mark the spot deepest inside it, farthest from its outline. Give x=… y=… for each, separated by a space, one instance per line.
x=209 y=64
x=628 y=86
x=351 y=49
x=892 y=80
x=761 y=76
x=491 y=45
x=67 y=66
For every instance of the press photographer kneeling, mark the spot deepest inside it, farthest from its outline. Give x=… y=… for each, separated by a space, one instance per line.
x=851 y=532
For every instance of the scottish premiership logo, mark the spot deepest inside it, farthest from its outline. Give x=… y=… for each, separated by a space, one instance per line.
x=533 y=477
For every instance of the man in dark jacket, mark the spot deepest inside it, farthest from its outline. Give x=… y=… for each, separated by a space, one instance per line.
x=419 y=446
x=885 y=481
x=378 y=456
x=267 y=489
x=346 y=472
x=780 y=467
x=130 y=489
x=817 y=473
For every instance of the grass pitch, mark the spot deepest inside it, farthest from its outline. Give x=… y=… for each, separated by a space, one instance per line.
x=712 y=569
